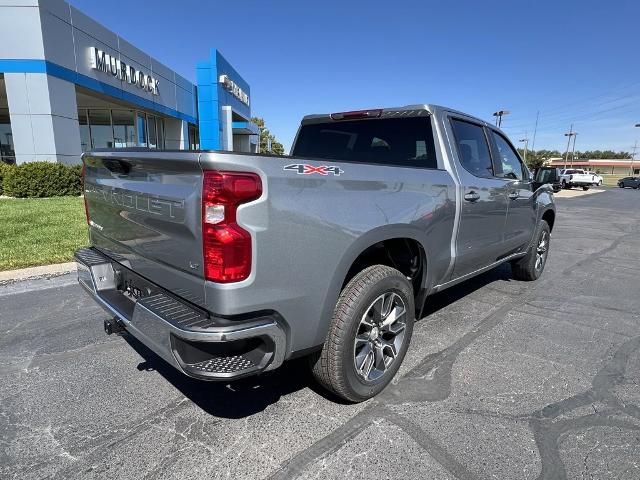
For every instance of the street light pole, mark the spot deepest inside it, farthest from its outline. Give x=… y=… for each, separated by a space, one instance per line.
x=526 y=144
x=499 y=114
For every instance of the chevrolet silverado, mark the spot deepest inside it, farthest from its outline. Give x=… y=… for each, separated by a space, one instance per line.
x=228 y=264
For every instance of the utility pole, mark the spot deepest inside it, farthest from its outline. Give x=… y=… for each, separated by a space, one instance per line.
x=573 y=150
x=535 y=129
x=499 y=114
x=526 y=144
x=633 y=156
x=566 y=152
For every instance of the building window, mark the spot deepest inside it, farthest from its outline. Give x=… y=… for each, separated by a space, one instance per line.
x=7 y=153
x=100 y=128
x=142 y=130
x=117 y=128
x=124 y=130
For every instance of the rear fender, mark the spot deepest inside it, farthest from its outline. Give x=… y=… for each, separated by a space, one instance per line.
x=386 y=232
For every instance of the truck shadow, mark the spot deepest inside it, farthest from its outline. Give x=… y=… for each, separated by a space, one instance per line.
x=248 y=396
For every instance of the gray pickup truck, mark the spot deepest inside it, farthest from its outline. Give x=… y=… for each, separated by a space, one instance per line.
x=228 y=264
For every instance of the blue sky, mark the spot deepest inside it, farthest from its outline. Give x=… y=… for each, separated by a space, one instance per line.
x=574 y=61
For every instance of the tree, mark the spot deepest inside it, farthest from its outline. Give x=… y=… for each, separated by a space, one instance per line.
x=265 y=137
x=533 y=159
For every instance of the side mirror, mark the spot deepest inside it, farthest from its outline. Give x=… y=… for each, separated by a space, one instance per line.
x=546 y=176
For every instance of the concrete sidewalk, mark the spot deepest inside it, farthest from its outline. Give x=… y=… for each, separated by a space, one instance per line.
x=10 y=276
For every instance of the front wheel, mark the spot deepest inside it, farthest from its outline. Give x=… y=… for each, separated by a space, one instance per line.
x=369 y=334
x=530 y=266
x=585 y=188
x=565 y=185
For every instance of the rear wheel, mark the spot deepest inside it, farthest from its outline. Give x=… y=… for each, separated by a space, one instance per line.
x=369 y=334
x=621 y=185
x=530 y=266
x=585 y=188
x=564 y=185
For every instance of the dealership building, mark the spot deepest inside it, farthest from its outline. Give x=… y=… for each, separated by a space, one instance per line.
x=68 y=85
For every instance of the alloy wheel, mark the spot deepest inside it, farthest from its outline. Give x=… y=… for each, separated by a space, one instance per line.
x=380 y=336
x=542 y=250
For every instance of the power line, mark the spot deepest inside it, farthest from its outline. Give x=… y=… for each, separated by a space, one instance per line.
x=562 y=107
x=593 y=108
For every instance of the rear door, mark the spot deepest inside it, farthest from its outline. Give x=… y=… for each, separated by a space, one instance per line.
x=144 y=211
x=521 y=216
x=484 y=199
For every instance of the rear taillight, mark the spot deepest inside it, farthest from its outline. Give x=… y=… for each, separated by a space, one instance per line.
x=226 y=246
x=84 y=192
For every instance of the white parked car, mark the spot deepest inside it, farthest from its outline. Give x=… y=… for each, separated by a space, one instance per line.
x=597 y=178
x=576 y=177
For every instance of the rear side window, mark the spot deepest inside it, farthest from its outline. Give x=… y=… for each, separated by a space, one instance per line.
x=508 y=162
x=406 y=142
x=473 y=149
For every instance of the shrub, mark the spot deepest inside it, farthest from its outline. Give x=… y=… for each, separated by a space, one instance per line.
x=4 y=167
x=43 y=179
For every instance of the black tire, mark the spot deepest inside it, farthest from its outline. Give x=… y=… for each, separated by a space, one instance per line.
x=527 y=268
x=621 y=185
x=335 y=365
x=585 y=188
x=565 y=185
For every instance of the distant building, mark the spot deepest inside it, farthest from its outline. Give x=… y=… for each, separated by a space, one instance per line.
x=606 y=166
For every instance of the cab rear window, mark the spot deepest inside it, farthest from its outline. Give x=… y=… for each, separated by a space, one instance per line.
x=404 y=142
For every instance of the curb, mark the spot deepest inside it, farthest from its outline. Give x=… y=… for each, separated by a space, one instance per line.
x=45 y=271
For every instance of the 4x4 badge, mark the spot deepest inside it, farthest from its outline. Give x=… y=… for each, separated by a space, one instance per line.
x=304 y=169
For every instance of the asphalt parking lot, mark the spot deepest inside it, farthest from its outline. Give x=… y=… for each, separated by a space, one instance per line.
x=504 y=380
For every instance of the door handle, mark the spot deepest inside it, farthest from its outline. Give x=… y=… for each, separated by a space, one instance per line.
x=471 y=196
x=513 y=195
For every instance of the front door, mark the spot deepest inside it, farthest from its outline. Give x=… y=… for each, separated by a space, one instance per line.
x=521 y=214
x=480 y=239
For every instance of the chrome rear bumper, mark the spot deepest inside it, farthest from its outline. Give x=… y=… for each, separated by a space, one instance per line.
x=193 y=341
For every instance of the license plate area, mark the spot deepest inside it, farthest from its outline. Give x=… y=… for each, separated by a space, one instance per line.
x=132 y=286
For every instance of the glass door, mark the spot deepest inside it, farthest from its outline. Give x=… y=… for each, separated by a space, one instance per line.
x=85 y=137
x=160 y=128
x=142 y=129
x=100 y=128
x=153 y=131
x=124 y=130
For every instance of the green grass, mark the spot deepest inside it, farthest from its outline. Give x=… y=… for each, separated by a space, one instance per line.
x=612 y=180
x=40 y=231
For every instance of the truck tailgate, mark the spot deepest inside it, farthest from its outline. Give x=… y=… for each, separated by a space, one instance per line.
x=144 y=211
